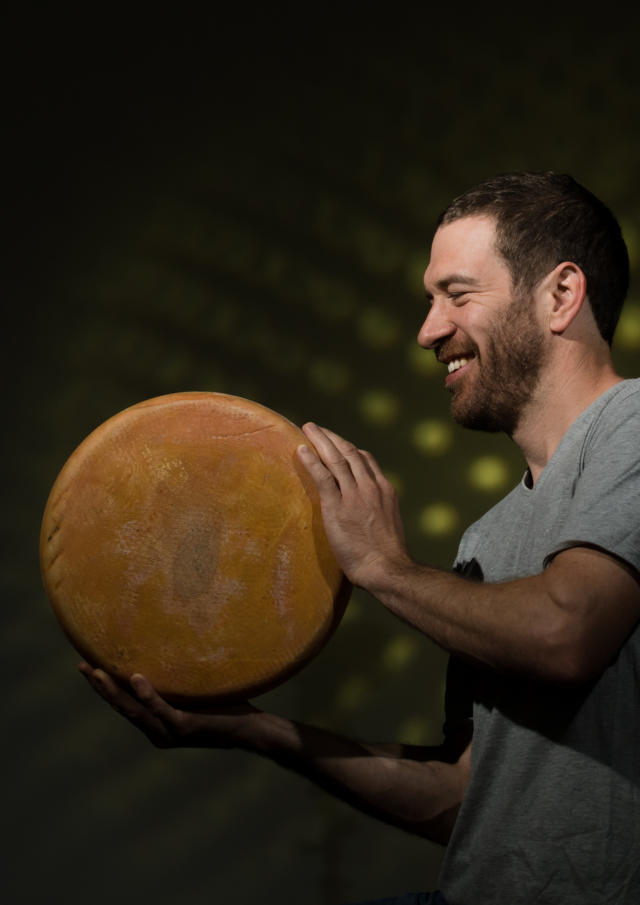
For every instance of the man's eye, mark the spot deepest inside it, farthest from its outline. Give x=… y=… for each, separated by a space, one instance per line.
x=458 y=297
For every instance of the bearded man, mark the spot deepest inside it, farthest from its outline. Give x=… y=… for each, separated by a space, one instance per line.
x=535 y=788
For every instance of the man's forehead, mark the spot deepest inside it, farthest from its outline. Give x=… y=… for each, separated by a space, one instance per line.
x=463 y=248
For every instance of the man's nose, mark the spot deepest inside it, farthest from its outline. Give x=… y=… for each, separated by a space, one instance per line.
x=436 y=327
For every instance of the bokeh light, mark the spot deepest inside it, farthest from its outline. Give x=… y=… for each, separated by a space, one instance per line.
x=432 y=436
x=628 y=332
x=489 y=474
x=378 y=328
x=414 y=730
x=379 y=407
x=399 y=652
x=439 y=519
x=329 y=376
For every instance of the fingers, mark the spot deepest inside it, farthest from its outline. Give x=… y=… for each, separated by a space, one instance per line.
x=321 y=476
x=149 y=697
x=108 y=688
x=376 y=471
x=346 y=464
x=142 y=706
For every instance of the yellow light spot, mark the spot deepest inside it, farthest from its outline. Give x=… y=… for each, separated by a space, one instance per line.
x=423 y=361
x=395 y=480
x=414 y=270
x=354 y=610
x=628 y=332
x=438 y=519
x=400 y=652
x=630 y=234
x=413 y=731
x=352 y=693
x=488 y=473
x=328 y=375
x=379 y=407
x=432 y=436
x=377 y=328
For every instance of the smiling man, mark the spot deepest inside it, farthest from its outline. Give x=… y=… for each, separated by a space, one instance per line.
x=535 y=788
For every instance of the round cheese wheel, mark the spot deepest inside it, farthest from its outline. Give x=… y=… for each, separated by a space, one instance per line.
x=183 y=540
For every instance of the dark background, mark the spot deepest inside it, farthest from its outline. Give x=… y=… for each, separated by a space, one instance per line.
x=243 y=202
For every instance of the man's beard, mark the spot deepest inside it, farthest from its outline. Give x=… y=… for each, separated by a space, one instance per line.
x=507 y=374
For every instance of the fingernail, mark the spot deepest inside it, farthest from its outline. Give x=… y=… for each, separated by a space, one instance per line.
x=137 y=682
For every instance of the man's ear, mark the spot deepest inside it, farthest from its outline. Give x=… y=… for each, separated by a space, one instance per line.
x=566 y=290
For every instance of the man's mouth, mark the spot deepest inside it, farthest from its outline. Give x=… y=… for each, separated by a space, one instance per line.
x=456 y=363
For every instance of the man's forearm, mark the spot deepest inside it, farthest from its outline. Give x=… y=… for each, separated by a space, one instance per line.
x=564 y=624
x=420 y=796
x=399 y=784
x=494 y=624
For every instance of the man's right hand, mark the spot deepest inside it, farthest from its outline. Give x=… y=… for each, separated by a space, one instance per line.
x=164 y=725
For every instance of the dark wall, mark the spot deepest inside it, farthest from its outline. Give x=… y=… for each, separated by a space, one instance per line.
x=245 y=203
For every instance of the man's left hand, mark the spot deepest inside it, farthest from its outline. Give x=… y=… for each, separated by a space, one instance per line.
x=359 y=506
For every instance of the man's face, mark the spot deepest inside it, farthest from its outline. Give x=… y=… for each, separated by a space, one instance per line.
x=489 y=339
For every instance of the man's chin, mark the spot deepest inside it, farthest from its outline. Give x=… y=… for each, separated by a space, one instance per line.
x=477 y=416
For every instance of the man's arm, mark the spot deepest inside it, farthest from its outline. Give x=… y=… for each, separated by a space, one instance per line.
x=565 y=624
x=417 y=789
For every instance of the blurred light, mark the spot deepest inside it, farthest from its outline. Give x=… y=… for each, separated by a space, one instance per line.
x=415 y=730
x=630 y=235
x=395 y=480
x=377 y=328
x=379 y=407
x=329 y=376
x=438 y=519
x=628 y=332
x=414 y=271
x=354 y=610
x=423 y=361
x=352 y=693
x=432 y=436
x=488 y=473
x=399 y=652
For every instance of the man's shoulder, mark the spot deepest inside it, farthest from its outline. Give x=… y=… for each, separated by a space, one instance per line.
x=622 y=397
x=614 y=418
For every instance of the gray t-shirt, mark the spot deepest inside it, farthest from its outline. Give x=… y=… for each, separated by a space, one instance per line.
x=552 y=812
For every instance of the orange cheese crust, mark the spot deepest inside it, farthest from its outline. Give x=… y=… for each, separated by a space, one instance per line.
x=182 y=539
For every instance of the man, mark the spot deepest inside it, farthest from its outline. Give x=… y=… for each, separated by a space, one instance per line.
x=535 y=787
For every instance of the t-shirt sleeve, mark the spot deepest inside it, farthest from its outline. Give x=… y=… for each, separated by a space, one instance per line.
x=605 y=508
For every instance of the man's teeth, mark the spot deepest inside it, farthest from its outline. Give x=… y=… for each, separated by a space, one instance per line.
x=456 y=364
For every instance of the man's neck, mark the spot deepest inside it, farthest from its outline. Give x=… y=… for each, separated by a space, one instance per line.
x=558 y=401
